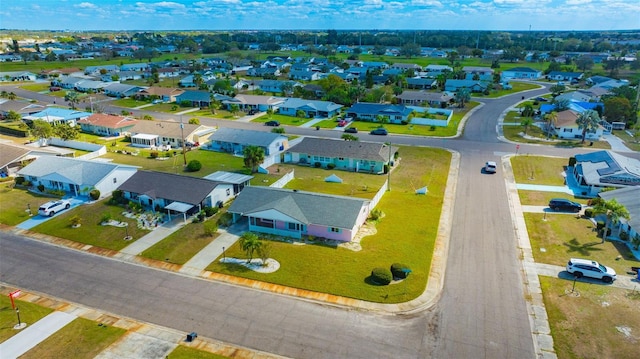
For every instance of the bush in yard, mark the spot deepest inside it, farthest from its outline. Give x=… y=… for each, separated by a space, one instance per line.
x=41 y=188
x=94 y=194
x=19 y=181
x=106 y=217
x=381 y=276
x=375 y=214
x=572 y=161
x=194 y=166
x=397 y=269
x=225 y=220
x=386 y=168
x=588 y=212
x=210 y=211
x=317 y=165
x=154 y=154
x=210 y=228
x=331 y=166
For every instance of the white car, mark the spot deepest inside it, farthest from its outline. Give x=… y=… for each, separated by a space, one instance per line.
x=53 y=207
x=588 y=268
x=490 y=167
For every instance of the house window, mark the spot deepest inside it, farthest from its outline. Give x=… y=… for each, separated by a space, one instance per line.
x=341 y=158
x=334 y=230
x=228 y=191
x=115 y=180
x=294 y=226
x=261 y=222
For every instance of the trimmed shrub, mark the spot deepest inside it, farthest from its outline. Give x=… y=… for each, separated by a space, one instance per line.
x=386 y=168
x=154 y=154
x=210 y=211
x=397 y=270
x=588 y=212
x=194 y=166
x=317 y=165
x=331 y=166
x=94 y=194
x=572 y=161
x=41 y=187
x=599 y=225
x=19 y=181
x=381 y=276
x=375 y=214
x=225 y=220
x=210 y=228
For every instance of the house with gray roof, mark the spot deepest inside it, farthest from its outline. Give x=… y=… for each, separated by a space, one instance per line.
x=97 y=70
x=232 y=140
x=56 y=115
x=22 y=107
x=417 y=98
x=75 y=176
x=311 y=108
x=454 y=85
x=525 y=73
x=173 y=192
x=293 y=213
x=196 y=98
x=276 y=86
x=121 y=90
x=13 y=157
x=353 y=156
x=152 y=134
x=630 y=198
x=254 y=102
x=421 y=83
x=18 y=76
x=370 y=111
x=604 y=169
x=238 y=180
x=565 y=76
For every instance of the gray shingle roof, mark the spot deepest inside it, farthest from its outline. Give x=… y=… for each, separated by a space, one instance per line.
x=246 y=137
x=191 y=190
x=305 y=207
x=630 y=198
x=69 y=170
x=351 y=149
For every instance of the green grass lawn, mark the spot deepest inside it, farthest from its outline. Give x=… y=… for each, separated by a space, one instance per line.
x=516 y=87
x=589 y=325
x=284 y=120
x=539 y=198
x=39 y=87
x=129 y=102
x=557 y=237
x=539 y=169
x=82 y=338
x=512 y=117
x=184 y=352
x=513 y=133
x=90 y=231
x=13 y=203
x=405 y=234
x=181 y=245
x=29 y=313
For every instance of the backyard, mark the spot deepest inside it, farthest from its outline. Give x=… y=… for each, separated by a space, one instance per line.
x=310 y=266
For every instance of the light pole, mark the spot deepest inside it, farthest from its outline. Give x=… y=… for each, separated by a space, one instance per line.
x=389 y=167
x=184 y=147
x=224 y=258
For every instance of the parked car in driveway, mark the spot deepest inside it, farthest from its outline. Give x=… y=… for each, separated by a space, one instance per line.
x=52 y=207
x=379 y=132
x=562 y=204
x=272 y=123
x=342 y=123
x=588 y=268
x=351 y=130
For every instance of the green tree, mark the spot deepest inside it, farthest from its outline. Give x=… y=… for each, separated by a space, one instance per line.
x=557 y=89
x=250 y=243
x=452 y=56
x=253 y=157
x=584 y=63
x=409 y=50
x=526 y=122
x=269 y=112
x=588 y=121
x=66 y=132
x=13 y=116
x=41 y=129
x=349 y=137
x=462 y=97
x=194 y=121
x=234 y=109
x=551 y=119
x=382 y=120
x=73 y=98
x=528 y=111
x=368 y=81
x=617 y=109
x=615 y=212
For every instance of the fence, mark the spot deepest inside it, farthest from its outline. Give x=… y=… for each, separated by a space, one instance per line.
x=283 y=181
x=378 y=196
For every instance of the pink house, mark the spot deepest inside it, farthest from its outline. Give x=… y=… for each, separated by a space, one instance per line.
x=293 y=213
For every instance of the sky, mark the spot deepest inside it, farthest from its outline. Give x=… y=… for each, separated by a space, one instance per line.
x=320 y=14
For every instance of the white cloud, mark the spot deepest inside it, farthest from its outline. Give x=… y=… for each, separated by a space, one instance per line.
x=86 y=5
x=577 y=2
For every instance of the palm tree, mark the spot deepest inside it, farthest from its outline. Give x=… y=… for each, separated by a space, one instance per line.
x=462 y=96
x=552 y=119
x=253 y=157
x=526 y=122
x=382 y=120
x=615 y=212
x=73 y=98
x=588 y=121
x=249 y=242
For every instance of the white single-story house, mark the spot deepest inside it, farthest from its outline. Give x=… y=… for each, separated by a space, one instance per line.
x=604 y=169
x=294 y=213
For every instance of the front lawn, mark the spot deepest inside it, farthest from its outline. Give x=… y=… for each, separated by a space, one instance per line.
x=284 y=120
x=539 y=169
x=600 y=322
x=537 y=136
x=130 y=102
x=405 y=234
x=82 y=338
x=542 y=198
x=13 y=204
x=36 y=87
x=181 y=245
x=29 y=313
x=90 y=231
x=557 y=237
x=516 y=87
x=184 y=352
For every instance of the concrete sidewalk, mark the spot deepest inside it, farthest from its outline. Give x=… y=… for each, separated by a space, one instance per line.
x=213 y=250
x=33 y=334
x=616 y=143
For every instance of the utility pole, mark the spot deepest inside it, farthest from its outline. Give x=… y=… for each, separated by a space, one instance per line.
x=184 y=146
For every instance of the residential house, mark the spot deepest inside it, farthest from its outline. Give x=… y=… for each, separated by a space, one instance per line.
x=238 y=181
x=353 y=156
x=68 y=82
x=293 y=213
x=523 y=73
x=121 y=90
x=572 y=96
x=254 y=102
x=276 y=86
x=421 y=83
x=18 y=76
x=370 y=111
x=479 y=70
x=76 y=176
x=630 y=198
x=406 y=67
x=311 y=108
x=376 y=65
x=100 y=69
x=417 y=98
x=138 y=66
x=13 y=157
x=90 y=86
x=169 y=72
x=107 y=125
x=195 y=98
x=565 y=76
x=453 y=85
x=24 y=108
x=596 y=171
x=438 y=69
x=263 y=72
x=56 y=115
x=166 y=94
x=126 y=76
x=566 y=127
x=152 y=134
x=317 y=90
x=304 y=75
x=233 y=140
x=175 y=193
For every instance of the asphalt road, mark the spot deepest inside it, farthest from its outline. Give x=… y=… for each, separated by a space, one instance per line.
x=481 y=313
